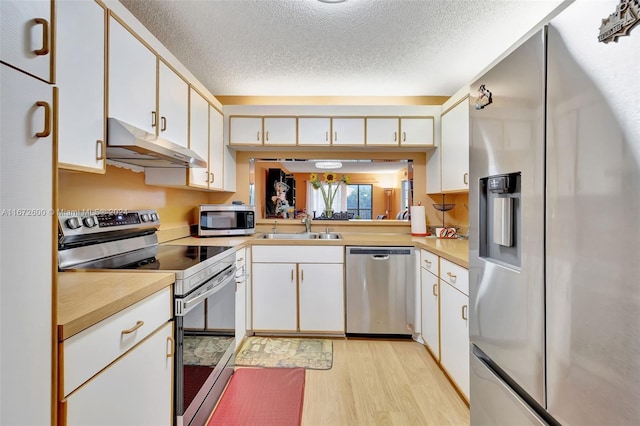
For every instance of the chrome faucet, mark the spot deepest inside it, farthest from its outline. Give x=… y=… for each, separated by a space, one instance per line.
x=307 y=223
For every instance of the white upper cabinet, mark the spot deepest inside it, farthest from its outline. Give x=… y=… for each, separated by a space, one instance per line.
x=382 y=131
x=132 y=79
x=245 y=130
x=173 y=105
x=454 y=155
x=80 y=33
x=217 y=162
x=199 y=138
x=416 y=131
x=207 y=140
x=26 y=36
x=280 y=131
x=314 y=131
x=348 y=131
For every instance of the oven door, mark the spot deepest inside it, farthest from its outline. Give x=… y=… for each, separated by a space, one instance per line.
x=205 y=346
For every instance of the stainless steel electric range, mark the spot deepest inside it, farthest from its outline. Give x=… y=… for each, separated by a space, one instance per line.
x=204 y=295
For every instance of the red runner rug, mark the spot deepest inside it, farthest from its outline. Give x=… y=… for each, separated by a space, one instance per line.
x=262 y=396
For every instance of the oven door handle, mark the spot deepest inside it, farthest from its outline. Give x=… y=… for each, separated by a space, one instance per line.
x=221 y=282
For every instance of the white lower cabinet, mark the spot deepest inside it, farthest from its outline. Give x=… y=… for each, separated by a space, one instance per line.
x=135 y=390
x=454 y=335
x=120 y=370
x=321 y=297
x=430 y=312
x=274 y=296
x=445 y=309
x=298 y=289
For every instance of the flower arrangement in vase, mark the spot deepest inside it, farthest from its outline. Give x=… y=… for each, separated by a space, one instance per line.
x=329 y=188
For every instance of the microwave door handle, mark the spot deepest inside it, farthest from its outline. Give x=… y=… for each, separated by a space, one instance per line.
x=228 y=277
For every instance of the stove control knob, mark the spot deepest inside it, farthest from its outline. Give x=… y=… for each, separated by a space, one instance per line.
x=145 y=217
x=73 y=223
x=89 y=222
x=154 y=217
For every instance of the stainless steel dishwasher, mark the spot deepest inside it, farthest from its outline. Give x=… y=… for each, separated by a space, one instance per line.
x=380 y=291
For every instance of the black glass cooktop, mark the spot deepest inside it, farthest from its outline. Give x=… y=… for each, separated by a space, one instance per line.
x=177 y=258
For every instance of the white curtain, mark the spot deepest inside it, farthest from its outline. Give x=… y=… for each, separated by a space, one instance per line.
x=315 y=202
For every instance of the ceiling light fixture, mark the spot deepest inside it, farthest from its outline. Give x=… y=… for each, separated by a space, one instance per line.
x=332 y=1
x=328 y=164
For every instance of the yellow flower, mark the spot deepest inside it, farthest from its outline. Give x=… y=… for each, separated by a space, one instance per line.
x=345 y=179
x=330 y=177
x=313 y=177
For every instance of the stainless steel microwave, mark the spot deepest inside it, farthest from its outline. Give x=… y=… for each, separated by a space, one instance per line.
x=216 y=220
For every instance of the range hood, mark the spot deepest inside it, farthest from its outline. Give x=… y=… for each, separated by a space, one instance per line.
x=131 y=145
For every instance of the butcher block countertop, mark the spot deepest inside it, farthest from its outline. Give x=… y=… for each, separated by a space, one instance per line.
x=86 y=298
x=454 y=250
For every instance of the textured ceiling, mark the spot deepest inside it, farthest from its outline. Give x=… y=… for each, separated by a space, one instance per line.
x=353 y=48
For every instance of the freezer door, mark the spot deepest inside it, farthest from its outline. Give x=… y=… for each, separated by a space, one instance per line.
x=593 y=237
x=506 y=274
x=494 y=402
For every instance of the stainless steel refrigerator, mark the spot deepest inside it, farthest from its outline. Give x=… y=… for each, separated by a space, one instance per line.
x=555 y=216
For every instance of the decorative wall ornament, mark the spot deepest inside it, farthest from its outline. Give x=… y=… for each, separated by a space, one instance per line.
x=619 y=23
x=485 y=97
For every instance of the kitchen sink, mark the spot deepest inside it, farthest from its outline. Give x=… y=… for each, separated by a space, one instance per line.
x=304 y=236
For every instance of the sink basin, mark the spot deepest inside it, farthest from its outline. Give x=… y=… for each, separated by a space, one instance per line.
x=329 y=236
x=304 y=236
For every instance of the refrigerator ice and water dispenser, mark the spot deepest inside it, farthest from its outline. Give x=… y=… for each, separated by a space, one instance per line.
x=500 y=218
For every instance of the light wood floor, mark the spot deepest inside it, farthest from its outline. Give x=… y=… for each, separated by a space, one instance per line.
x=381 y=382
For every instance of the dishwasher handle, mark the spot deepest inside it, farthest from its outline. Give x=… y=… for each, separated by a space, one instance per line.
x=380 y=256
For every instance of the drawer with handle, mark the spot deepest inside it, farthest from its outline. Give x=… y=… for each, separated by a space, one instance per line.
x=79 y=354
x=455 y=275
x=429 y=261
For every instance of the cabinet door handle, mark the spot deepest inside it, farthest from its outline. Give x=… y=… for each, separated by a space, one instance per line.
x=47 y=119
x=99 y=150
x=292 y=275
x=134 y=328
x=301 y=275
x=266 y=135
x=465 y=178
x=163 y=121
x=395 y=136
x=464 y=312
x=434 y=289
x=258 y=135
x=326 y=136
x=452 y=276
x=428 y=262
x=335 y=136
x=404 y=136
x=45 y=36
x=154 y=119
x=212 y=177
x=171 y=350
